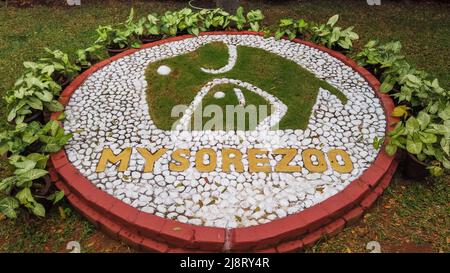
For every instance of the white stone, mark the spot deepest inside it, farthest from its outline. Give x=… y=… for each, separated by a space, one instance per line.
x=219 y=95
x=163 y=70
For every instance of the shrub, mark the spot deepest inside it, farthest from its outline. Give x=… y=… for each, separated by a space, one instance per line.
x=423 y=105
x=333 y=37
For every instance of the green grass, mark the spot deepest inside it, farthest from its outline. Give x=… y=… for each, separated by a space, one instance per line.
x=230 y=99
x=411 y=216
x=293 y=85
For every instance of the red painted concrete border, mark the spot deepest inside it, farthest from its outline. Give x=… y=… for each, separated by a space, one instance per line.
x=153 y=233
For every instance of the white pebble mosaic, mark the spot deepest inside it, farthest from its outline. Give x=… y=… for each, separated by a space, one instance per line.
x=109 y=110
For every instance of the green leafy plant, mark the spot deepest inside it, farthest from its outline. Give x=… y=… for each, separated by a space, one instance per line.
x=405 y=83
x=255 y=18
x=291 y=28
x=20 y=186
x=63 y=68
x=189 y=22
x=113 y=38
x=17 y=140
x=88 y=56
x=378 y=58
x=422 y=105
x=169 y=23
x=239 y=18
x=53 y=137
x=33 y=92
x=215 y=19
x=132 y=30
x=120 y=36
x=150 y=25
x=425 y=136
x=333 y=37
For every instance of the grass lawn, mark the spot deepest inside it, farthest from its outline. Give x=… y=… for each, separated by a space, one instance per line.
x=294 y=86
x=410 y=216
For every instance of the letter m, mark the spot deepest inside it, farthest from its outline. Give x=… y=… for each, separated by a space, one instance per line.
x=108 y=156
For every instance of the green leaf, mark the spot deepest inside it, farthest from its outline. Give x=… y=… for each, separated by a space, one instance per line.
x=386 y=86
x=445 y=114
x=7 y=184
x=35 y=103
x=44 y=95
x=446 y=163
x=412 y=125
x=439 y=129
x=12 y=114
x=56 y=196
x=377 y=142
x=25 y=165
x=413 y=80
x=413 y=146
x=427 y=137
x=31 y=175
x=25 y=197
x=436 y=170
x=391 y=149
x=40 y=159
x=423 y=119
x=54 y=106
x=445 y=144
x=332 y=21
x=8 y=206
x=38 y=209
x=136 y=44
x=61 y=116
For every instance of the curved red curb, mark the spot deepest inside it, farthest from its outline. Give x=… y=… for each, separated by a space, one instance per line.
x=150 y=232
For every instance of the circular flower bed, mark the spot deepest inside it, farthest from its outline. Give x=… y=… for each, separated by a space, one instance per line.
x=270 y=174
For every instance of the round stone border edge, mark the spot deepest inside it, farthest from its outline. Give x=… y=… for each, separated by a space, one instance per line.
x=150 y=232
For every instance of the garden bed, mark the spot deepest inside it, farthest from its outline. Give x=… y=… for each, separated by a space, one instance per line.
x=211 y=205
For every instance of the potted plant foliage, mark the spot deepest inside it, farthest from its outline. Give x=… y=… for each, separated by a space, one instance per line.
x=422 y=105
x=63 y=69
x=333 y=37
x=119 y=38
x=88 y=56
x=291 y=28
x=114 y=39
x=29 y=181
x=24 y=138
x=33 y=95
x=149 y=28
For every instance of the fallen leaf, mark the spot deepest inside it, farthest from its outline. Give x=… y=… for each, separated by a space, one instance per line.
x=62 y=213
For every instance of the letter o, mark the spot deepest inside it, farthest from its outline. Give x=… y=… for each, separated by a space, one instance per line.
x=322 y=163
x=348 y=165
